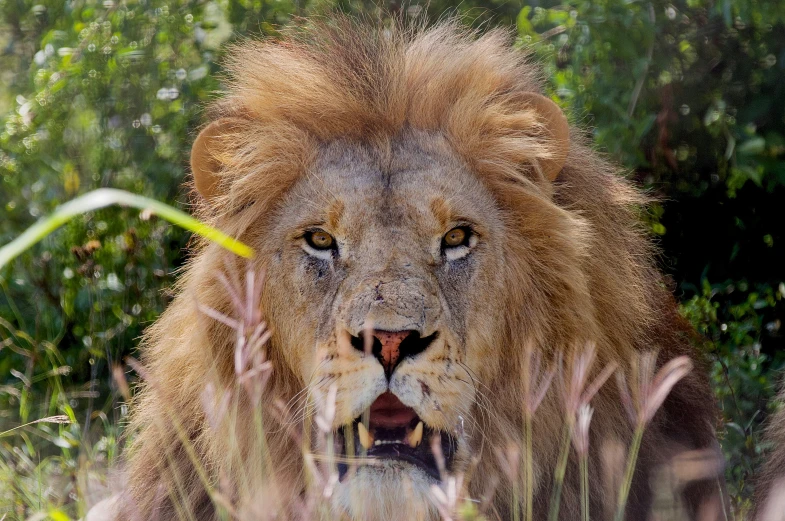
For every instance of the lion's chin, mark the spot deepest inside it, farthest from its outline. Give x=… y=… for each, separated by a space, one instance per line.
x=390 y=491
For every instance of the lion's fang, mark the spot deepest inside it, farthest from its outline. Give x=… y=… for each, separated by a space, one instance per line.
x=416 y=436
x=366 y=440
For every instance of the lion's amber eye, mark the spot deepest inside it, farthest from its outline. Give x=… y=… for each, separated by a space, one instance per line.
x=456 y=237
x=320 y=239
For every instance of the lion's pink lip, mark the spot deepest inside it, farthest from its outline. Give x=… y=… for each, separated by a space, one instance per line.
x=388 y=412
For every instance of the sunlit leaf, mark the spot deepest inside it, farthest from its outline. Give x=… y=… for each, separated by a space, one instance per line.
x=105 y=197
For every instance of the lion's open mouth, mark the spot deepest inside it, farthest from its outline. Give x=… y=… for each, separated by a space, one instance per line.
x=395 y=432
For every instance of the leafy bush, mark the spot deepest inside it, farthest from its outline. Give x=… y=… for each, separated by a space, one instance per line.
x=95 y=94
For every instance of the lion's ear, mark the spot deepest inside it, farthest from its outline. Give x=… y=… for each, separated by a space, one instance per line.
x=206 y=152
x=555 y=123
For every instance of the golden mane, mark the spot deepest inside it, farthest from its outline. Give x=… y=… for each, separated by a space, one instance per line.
x=354 y=81
x=584 y=269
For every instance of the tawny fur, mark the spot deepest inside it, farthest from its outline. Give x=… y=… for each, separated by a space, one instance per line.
x=770 y=484
x=576 y=266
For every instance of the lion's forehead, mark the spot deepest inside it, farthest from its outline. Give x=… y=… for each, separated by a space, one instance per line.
x=414 y=184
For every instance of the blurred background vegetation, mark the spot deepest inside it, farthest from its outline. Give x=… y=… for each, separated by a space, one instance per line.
x=688 y=95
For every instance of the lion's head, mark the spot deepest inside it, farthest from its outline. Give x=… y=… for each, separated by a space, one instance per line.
x=423 y=215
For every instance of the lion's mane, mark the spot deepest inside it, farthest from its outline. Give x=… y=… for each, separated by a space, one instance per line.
x=770 y=480
x=583 y=268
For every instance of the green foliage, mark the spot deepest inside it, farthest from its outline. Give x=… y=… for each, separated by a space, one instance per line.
x=742 y=371
x=95 y=94
x=102 y=95
x=689 y=96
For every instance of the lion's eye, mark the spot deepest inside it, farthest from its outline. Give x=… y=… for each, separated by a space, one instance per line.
x=456 y=237
x=320 y=240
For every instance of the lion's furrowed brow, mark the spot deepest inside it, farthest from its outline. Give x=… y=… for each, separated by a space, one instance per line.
x=334 y=213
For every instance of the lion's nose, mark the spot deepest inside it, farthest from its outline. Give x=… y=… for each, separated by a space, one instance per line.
x=391 y=347
x=389 y=352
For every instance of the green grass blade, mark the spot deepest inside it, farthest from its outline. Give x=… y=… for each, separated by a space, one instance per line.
x=104 y=197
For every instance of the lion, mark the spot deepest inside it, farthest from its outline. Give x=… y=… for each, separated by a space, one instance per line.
x=424 y=218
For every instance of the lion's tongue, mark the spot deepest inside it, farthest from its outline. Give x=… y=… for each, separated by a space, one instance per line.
x=387 y=412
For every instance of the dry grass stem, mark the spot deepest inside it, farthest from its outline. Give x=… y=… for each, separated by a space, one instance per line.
x=580 y=436
x=642 y=398
x=576 y=393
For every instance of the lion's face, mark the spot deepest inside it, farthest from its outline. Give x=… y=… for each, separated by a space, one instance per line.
x=401 y=244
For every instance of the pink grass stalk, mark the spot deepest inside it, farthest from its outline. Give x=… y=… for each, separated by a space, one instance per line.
x=536 y=382
x=251 y=367
x=580 y=440
x=509 y=462
x=642 y=398
x=450 y=496
x=577 y=393
x=326 y=475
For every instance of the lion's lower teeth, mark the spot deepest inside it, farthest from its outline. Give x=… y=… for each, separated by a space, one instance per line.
x=387 y=442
